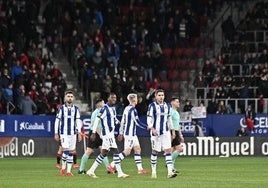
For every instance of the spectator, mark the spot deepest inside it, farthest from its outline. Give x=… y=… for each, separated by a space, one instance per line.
x=212 y=106
x=188 y=106
x=113 y=55
x=199 y=83
x=16 y=70
x=221 y=108
x=26 y=104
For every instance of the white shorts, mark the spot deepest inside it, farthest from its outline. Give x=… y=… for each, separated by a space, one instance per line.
x=68 y=142
x=108 y=141
x=162 y=142
x=131 y=141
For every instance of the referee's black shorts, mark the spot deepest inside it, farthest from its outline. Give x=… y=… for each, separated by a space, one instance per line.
x=96 y=143
x=176 y=140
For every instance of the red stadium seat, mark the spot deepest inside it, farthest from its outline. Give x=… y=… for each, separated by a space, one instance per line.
x=165 y=85
x=171 y=64
x=192 y=64
x=178 y=52
x=201 y=53
x=175 y=86
x=181 y=63
x=167 y=52
x=173 y=74
x=189 y=52
x=184 y=75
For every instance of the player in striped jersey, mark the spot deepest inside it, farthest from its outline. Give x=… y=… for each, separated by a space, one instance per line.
x=176 y=142
x=107 y=116
x=160 y=124
x=96 y=143
x=67 y=126
x=129 y=123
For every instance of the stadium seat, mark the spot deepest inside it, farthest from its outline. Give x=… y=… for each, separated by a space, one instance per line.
x=192 y=64
x=171 y=64
x=173 y=74
x=184 y=75
x=200 y=53
x=178 y=52
x=165 y=85
x=167 y=52
x=189 y=52
x=175 y=86
x=181 y=63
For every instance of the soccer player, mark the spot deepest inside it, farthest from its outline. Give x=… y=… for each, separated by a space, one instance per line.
x=107 y=116
x=96 y=143
x=129 y=122
x=67 y=126
x=160 y=124
x=176 y=142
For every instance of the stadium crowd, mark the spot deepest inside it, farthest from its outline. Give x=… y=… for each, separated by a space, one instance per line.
x=110 y=45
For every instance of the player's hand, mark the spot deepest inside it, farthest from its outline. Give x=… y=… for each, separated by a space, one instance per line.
x=93 y=136
x=57 y=137
x=154 y=131
x=120 y=137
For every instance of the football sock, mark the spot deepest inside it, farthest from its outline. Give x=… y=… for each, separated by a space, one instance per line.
x=175 y=154
x=83 y=162
x=64 y=159
x=137 y=158
x=70 y=159
x=117 y=163
x=122 y=155
x=105 y=161
x=169 y=162
x=58 y=157
x=97 y=162
x=153 y=162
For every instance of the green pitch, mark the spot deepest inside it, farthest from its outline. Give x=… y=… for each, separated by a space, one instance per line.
x=251 y=172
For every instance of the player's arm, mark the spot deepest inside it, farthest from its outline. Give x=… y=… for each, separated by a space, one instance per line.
x=171 y=127
x=181 y=136
x=79 y=125
x=56 y=126
x=94 y=128
x=150 y=121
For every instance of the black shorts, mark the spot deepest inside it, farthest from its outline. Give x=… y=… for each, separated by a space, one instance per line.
x=96 y=143
x=176 y=140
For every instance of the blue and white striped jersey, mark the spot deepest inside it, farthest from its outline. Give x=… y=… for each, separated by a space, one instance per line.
x=67 y=120
x=129 y=121
x=108 y=119
x=158 y=115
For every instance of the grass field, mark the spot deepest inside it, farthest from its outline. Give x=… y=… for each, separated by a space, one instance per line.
x=244 y=172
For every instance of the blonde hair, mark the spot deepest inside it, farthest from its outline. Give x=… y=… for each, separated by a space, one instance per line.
x=131 y=96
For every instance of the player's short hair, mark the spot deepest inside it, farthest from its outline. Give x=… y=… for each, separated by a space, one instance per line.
x=174 y=98
x=69 y=92
x=98 y=102
x=158 y=91
x=131 y=96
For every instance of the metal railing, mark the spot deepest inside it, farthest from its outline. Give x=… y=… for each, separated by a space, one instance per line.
x=239 y=103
